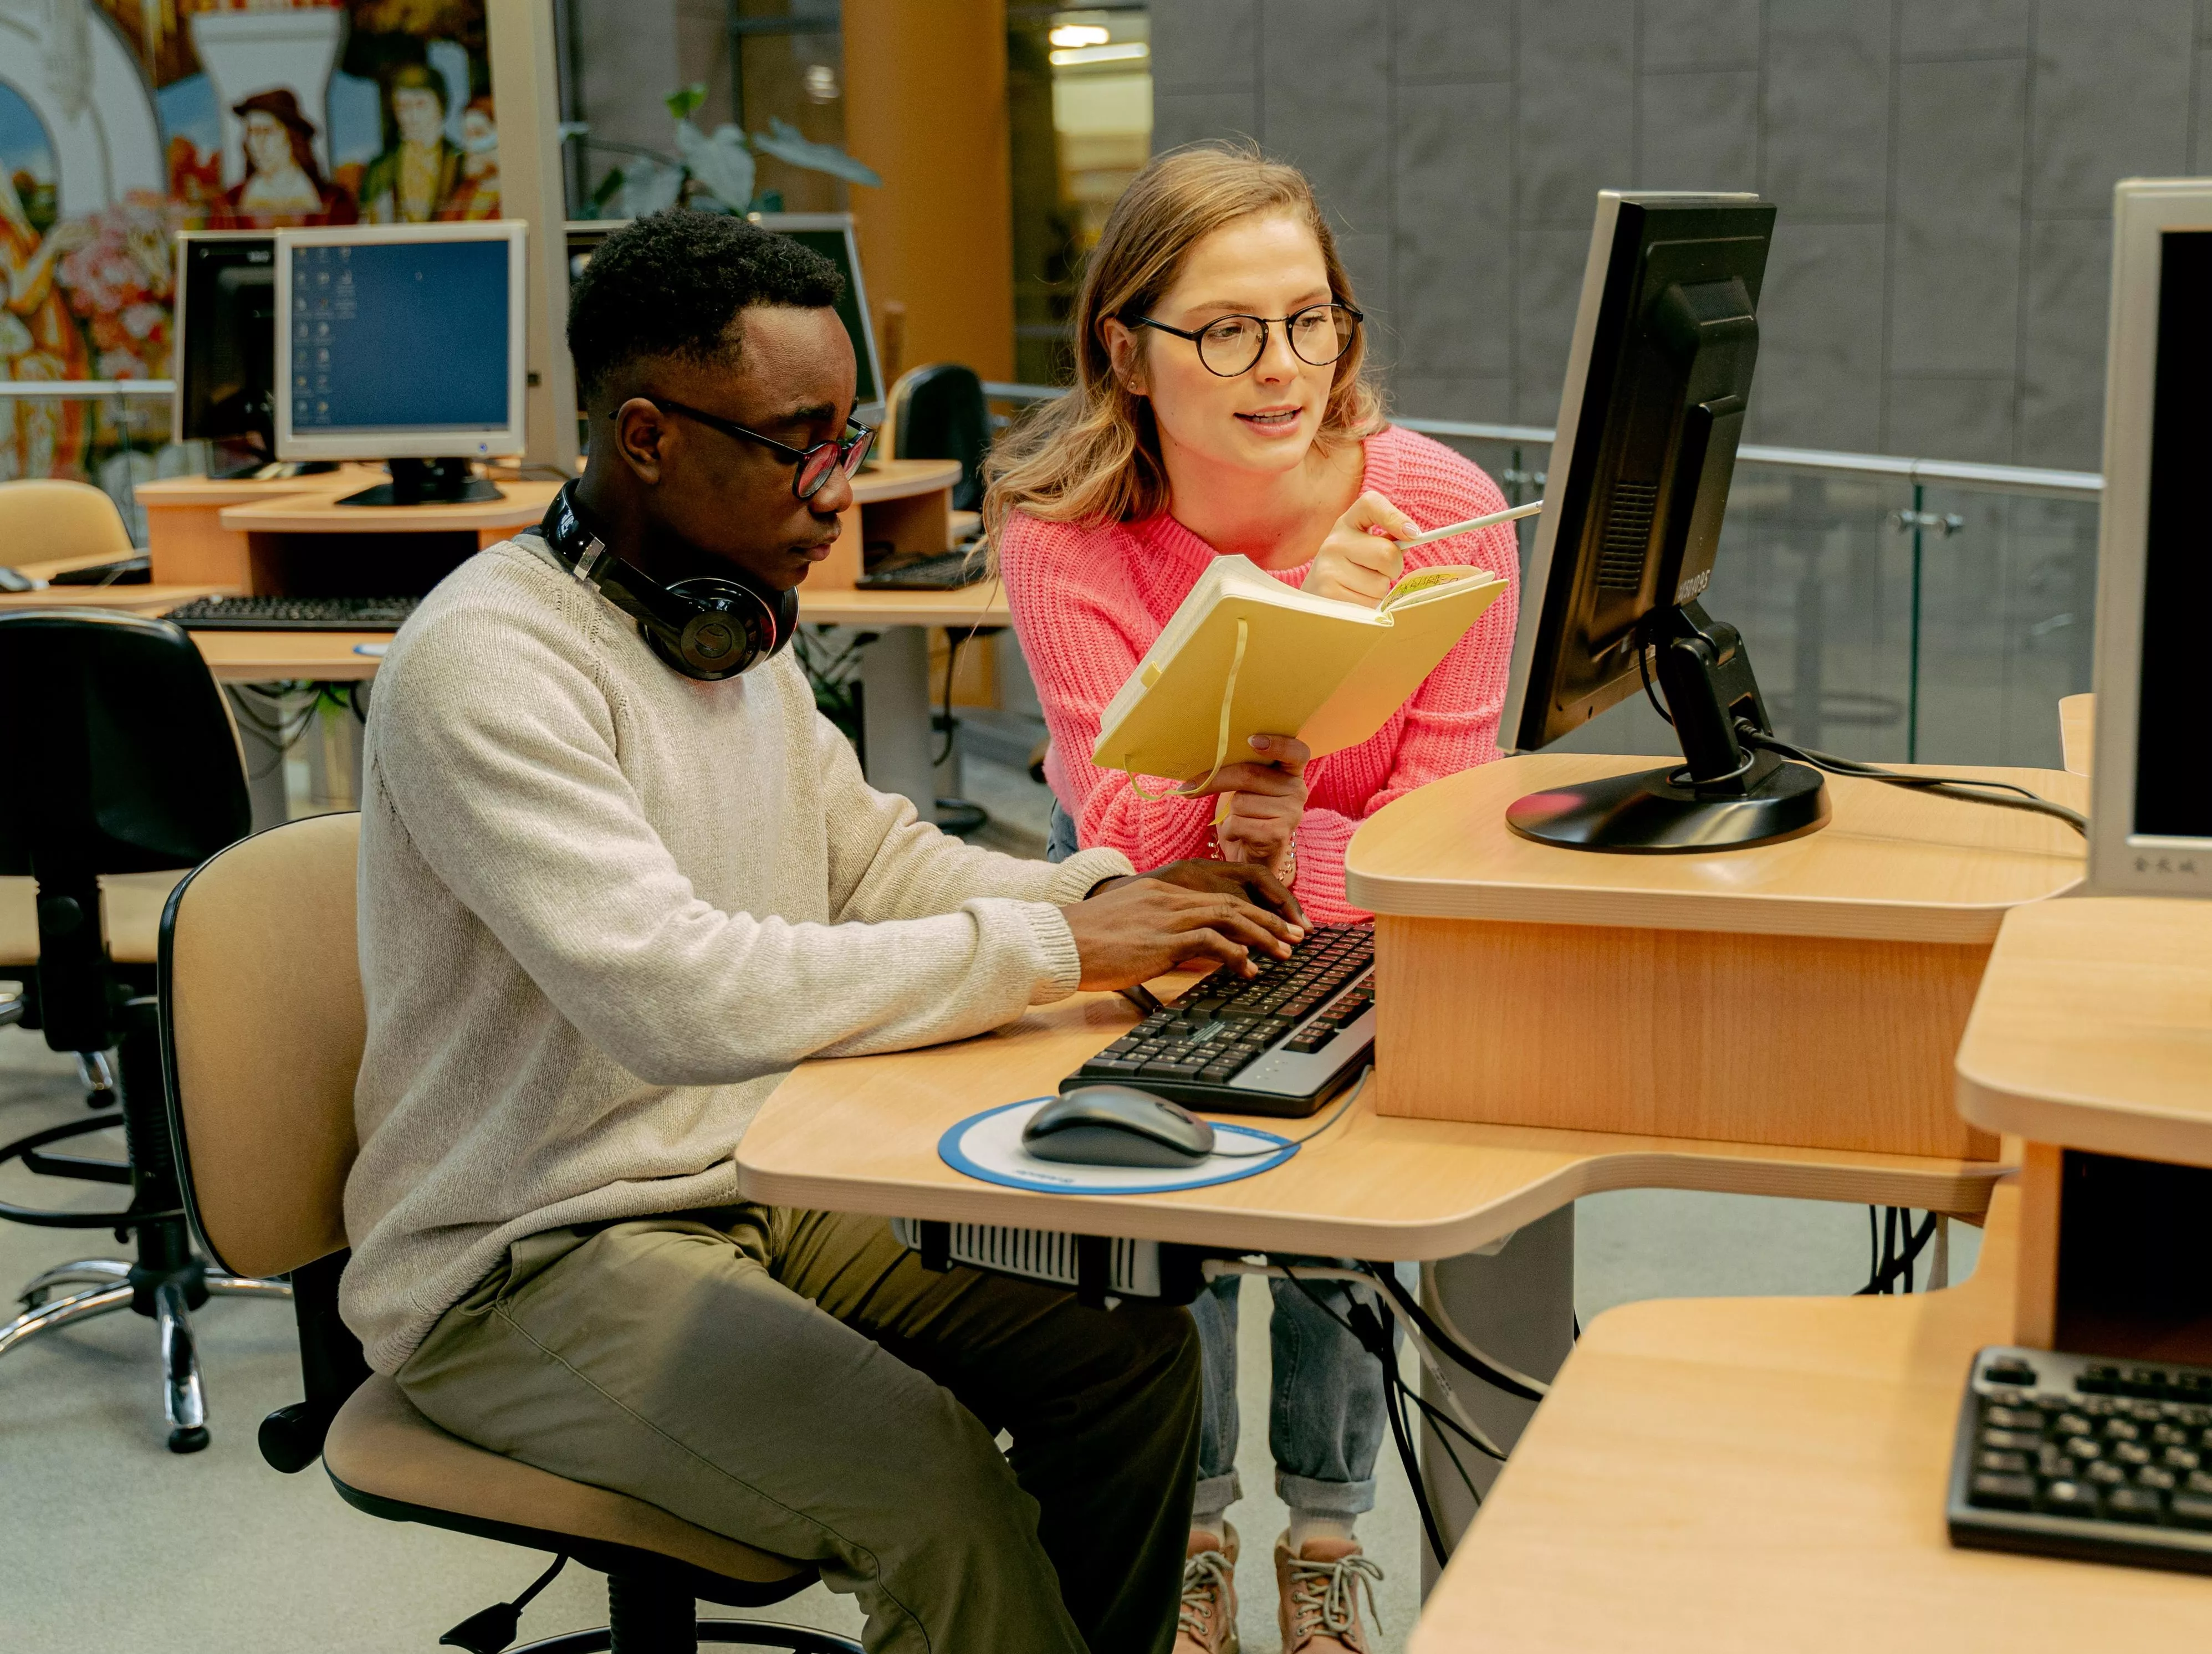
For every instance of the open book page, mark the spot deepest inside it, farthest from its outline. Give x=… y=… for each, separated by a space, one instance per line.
x=1422 y=583
x=1420 y=634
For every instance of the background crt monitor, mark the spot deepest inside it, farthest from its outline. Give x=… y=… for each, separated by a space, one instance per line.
x=226 y=336
x=400 y=348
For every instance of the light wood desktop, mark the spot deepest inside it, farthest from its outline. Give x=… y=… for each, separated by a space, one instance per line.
x=2093 y=1032
x=860 y=1134
x=1734 y=1476
x=1810 y=992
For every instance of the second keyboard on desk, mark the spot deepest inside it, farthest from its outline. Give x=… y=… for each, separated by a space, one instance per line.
x=1283 y=1042
x=294 y=614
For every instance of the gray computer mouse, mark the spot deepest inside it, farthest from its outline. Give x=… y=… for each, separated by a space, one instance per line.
x=1116 y=1125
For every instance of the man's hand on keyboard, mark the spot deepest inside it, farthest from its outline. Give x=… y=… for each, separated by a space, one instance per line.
x=1251 y=880
x=1130 y=930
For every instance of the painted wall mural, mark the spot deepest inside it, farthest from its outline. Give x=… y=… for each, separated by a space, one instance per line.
x=123 y=121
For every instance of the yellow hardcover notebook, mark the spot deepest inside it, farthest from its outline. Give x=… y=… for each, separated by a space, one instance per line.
x=1246 y=655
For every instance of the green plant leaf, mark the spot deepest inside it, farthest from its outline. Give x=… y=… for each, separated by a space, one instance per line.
x=681 y=104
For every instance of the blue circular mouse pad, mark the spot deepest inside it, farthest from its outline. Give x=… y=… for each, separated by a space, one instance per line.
x=988 y=1146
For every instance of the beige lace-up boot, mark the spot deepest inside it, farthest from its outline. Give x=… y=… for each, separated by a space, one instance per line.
x=1208 y=1625
x=1320 y=1587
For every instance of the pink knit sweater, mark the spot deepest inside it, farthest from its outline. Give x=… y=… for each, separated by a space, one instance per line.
x=1088 y=603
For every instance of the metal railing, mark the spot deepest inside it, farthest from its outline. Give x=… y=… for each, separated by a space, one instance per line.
x=1899 y=607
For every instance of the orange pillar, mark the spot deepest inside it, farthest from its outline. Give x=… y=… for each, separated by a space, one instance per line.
x=926 y=107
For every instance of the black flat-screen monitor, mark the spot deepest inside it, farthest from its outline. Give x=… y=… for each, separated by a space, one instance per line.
x=830 y=234
x=226 y=352
x=1658 y=382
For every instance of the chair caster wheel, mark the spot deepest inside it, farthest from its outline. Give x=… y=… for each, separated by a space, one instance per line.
x=189 y=1441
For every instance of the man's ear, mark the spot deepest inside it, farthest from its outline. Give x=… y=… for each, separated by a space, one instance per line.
x=640 y=432
x=1123 y=352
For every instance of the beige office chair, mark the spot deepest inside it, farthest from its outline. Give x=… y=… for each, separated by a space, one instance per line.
x=262 y=1027
x=48 y=520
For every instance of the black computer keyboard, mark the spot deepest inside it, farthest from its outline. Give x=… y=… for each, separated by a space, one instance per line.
x=2080 y=1456
x=947 y=572
x=1282 y=1042
x=294 y=614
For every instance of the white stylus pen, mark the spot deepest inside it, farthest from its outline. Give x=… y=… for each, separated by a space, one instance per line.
x=1470 y=525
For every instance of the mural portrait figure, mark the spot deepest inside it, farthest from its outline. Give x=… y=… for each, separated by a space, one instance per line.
x=282 y=183
x=407 y=182
x=38 y=340
x=476 y=193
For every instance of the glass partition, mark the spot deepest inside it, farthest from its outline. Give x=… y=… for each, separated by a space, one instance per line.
x=1889 y=620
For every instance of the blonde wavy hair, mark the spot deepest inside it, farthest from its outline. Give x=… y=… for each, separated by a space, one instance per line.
x=1093 y=456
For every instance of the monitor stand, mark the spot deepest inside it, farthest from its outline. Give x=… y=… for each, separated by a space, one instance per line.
x=426 y=482
x=1725 y=796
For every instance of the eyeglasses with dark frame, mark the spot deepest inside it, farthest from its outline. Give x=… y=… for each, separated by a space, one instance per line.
x=1230 y=345
x=814 y=463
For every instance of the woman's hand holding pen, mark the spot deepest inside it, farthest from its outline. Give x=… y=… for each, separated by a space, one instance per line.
x=1357 y=563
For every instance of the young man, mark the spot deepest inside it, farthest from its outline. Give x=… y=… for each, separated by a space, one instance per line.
x=610 y=894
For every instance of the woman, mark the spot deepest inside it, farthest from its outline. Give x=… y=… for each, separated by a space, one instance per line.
x=1220 y=407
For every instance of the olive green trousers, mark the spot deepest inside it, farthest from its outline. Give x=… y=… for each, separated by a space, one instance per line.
x=798 y=1382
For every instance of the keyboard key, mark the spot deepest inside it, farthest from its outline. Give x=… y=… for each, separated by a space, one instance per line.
x=2143 y=1381
x=2131 y=1452
x=2153 y=1476
x=2106 y=1474
x=2200 y=1481
x=2191 y=1511
x=1168 y=1068
x=2013 y=1417
x=2181 y=1458
x=2001 y=1464
x=2083 y=1448
x=2054 y=1466
x=2073 y=1424
x=2121 y=1430
x=2098 y=1379
x=2134 y=1505
x=2004 y=1493
x=2009 y=1370
x=2069 y=1498
x=2013 y=1441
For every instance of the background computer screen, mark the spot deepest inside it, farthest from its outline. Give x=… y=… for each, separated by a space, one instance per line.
x=398 y=337
x=226 y=373
x=2174 y=791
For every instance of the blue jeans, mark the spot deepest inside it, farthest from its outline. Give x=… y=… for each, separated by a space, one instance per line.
x=1325 y=1421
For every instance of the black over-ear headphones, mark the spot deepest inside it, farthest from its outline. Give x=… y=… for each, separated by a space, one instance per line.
x=706 y=627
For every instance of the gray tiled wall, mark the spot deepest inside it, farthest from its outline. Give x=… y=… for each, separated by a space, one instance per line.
x=1943 y=168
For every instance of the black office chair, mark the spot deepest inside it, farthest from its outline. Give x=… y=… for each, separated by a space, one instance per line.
x=938 y=412
x=262 y=1025
x=126 y=766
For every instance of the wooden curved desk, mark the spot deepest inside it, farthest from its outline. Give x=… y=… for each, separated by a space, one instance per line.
x=1742 y=1477
x=860 y=1134
x=1809 y=992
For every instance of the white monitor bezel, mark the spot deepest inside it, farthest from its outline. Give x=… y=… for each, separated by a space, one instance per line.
x=2122 y=862
x=415 y=444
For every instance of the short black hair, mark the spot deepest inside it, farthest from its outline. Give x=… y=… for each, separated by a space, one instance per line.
x=670 y=285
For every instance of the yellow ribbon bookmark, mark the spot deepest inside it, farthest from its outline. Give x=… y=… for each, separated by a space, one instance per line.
x=1221 y=741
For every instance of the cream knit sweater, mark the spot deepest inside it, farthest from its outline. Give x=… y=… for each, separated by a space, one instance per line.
x=604 y=909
